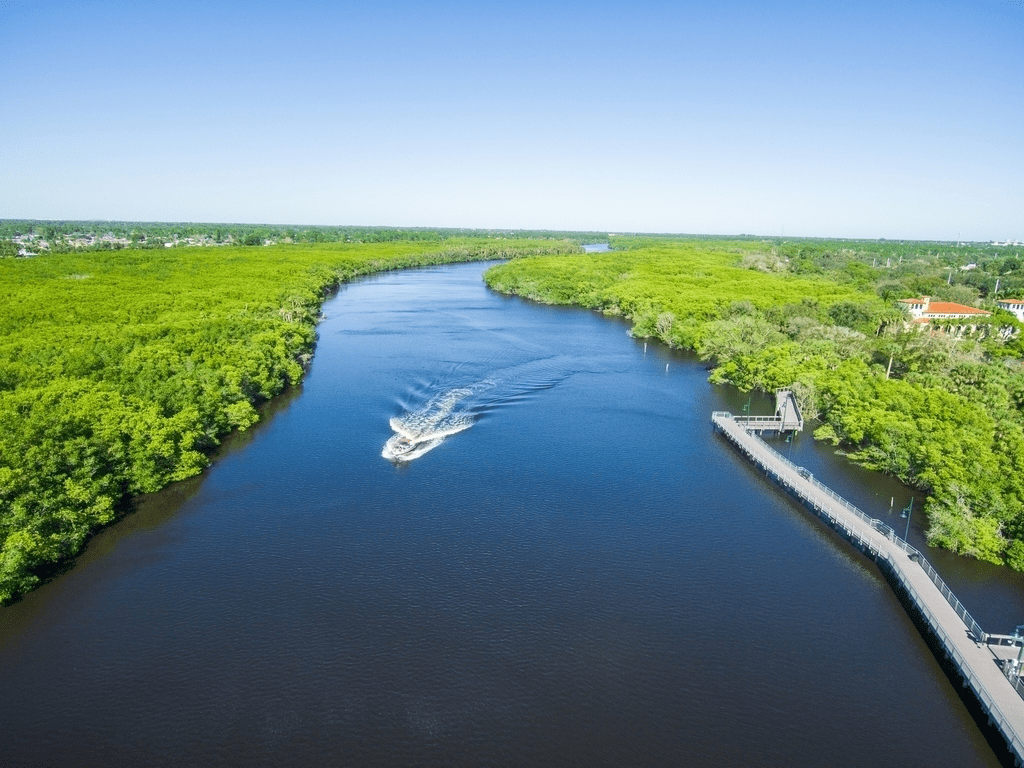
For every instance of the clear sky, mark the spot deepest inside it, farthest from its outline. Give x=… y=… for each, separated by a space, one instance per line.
x=896 y=119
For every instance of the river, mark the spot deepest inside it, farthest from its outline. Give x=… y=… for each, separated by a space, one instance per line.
x=585 y=574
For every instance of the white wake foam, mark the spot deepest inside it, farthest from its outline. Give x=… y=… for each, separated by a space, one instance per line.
x=422 y=430
x=457 y=408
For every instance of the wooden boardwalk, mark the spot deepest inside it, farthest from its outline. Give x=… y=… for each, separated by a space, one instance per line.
x=965 y=645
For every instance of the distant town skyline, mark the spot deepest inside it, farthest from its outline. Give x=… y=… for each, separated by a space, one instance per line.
x=869 y=120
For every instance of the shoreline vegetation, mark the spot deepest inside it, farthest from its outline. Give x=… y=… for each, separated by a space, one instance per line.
x=941 y=408
x=128 y=351
x=122 y=369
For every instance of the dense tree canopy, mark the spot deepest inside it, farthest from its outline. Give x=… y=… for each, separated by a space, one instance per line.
x=121 y=367
x=120 y=370
x=940 y=408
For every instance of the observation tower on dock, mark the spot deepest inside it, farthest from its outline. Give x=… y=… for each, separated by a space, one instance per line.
x=787 y=416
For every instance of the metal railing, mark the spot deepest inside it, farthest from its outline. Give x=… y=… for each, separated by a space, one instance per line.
x=723 y=417
x=796 y=406
x=998 y=719
x=756 y=420
x=1018 y=686
x=760 y=453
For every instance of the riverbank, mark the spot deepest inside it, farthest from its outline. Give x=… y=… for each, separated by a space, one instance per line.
x=952 y=431
x=944 y=620
x=585 y=563
x=121 y=371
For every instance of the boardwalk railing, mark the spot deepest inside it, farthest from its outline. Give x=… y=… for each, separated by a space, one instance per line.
x=880 y=542
x=975 y=629
x=998 y=718
x=760 y=422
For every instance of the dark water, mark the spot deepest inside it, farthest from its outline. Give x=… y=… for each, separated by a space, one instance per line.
x=586 y=576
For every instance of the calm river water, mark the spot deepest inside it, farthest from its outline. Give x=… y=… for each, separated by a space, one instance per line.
x=586 y=576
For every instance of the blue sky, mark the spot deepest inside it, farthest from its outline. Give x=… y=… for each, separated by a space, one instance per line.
x=899 y=119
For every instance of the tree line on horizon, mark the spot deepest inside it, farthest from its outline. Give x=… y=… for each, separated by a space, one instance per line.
x=63 y=236
x=67 y=235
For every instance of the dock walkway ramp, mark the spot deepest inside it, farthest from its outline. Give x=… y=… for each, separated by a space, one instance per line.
x=979 y=663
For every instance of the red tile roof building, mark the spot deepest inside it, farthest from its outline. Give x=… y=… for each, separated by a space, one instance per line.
x=923 y=310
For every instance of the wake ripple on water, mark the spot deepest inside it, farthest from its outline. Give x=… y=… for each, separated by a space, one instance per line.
x=456 y=408
x=422 y=430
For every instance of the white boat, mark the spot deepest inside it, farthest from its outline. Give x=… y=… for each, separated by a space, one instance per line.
x=401 y=448
x=421 y=430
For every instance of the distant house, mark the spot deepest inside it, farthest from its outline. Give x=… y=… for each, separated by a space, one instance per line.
x=1016 y=306
x=924 y=310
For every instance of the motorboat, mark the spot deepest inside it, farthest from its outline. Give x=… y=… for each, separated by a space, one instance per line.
x=400 y=447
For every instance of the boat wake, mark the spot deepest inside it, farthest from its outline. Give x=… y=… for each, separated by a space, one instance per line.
x=423 y=430
x=456 y=408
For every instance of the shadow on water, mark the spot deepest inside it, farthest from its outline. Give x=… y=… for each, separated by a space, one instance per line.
x=146 y=512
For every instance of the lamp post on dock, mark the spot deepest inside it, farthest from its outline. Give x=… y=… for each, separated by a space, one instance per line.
x=908 y=512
